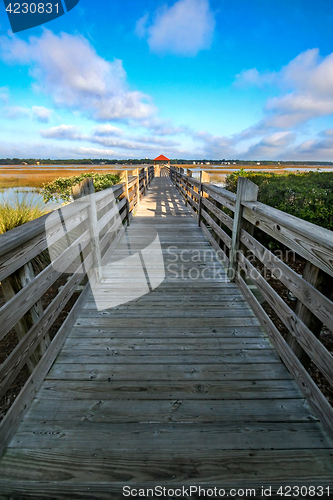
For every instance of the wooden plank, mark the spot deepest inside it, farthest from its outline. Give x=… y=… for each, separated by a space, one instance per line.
x=103 y=221
x=172 y=436
x=193 y=313
x=319 y=280
x=80 y=474
x=223 y=217
x=14 y=309
x=312 y=242
x=18 y=357
x=175 y=410
x=101 y=322
x=222 y=331
x=312 y=346
x=315 y=301
x=214 y=244
x=173 y=357
x=16 y=412
x=85 y=190
x=315 y=397
x=216 y=228
x=197 y=371
x=11 y=260
x=17 y=237
x=162 y=343
x=266 y=391
x=246 y=191
x=226 y=198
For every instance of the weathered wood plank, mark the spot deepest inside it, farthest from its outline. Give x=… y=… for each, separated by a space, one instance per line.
x=171 y=437
x=164 y=343
x=223 y=217
x=269 y=391
x=175 y=410
x=173 y=357
x=312 y=346
x=295 y=233
x=17 y=410
x=109 y=470
x=320 y=305
x=216 y=228
x=169 y=372
x=315 y=397
x=19 y=356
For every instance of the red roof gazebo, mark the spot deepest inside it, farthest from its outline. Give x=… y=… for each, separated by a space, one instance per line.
x=162 y=159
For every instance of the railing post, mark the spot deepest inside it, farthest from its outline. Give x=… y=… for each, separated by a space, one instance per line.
x=137 y=174
x=125 y=179
x=86 y=188
x=147 y=180
x=187 y=192
x=246 y=191
x=204 y=177
x=200 y=199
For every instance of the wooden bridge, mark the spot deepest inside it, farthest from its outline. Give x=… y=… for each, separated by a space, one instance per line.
x=188 y=384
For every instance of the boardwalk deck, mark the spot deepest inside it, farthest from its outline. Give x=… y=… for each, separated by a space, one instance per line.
x=178 y=387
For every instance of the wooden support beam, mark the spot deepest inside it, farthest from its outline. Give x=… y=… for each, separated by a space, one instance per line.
x=246 y=191
x=10 y=287
x=125 y=179
x=322 y=282
x=86 y=189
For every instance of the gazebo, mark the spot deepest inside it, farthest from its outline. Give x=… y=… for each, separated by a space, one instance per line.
x=162 y=160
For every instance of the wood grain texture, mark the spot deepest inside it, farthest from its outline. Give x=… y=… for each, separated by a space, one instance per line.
x=180 y=385
x=312 y=242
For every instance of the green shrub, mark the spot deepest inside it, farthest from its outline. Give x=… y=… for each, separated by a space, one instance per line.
x=61 y=188
x=307 y=195
x=18 y=211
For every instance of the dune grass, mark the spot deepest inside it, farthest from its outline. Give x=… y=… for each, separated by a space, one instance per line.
x=19 y=210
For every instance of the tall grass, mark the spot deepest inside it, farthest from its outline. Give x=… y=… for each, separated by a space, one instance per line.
x=19 y=210
x=37 y=177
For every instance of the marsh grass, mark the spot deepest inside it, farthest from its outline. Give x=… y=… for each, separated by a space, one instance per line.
x=18 y=210
x=37 y=177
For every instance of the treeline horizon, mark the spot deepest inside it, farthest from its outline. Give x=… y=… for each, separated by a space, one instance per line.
x=137 y=161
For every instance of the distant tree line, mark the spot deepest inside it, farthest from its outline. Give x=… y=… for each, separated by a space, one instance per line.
x=137 y=161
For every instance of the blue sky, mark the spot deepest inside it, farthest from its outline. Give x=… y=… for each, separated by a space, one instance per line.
x=187 y=78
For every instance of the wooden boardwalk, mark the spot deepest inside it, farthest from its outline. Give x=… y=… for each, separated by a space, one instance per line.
x=177 y=387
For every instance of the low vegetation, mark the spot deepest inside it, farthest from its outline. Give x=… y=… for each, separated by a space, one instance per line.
x=36 y=177
x=61 y=188
x=19 y=210
x=307 y=195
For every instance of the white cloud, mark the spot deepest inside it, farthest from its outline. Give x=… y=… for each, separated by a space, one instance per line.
x=16 y=112
x=215 y=146
x=271 y=146
x=107 y=130
x=4 y=95
x=142 y=25
x=307 y=90
x=183 y=29
x=105 y=136
x=41 y=113
x=252 y=77
x=62 y=132
x=321 y=147
x=68 y=68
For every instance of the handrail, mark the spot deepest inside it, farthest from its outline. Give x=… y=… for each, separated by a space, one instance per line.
x=229 y=222
x=23 y=286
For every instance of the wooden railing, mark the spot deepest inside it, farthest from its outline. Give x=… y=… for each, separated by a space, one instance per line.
x=228 y=221
x=27 y=275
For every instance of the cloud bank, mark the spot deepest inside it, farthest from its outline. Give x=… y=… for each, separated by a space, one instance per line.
x=68 y=68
